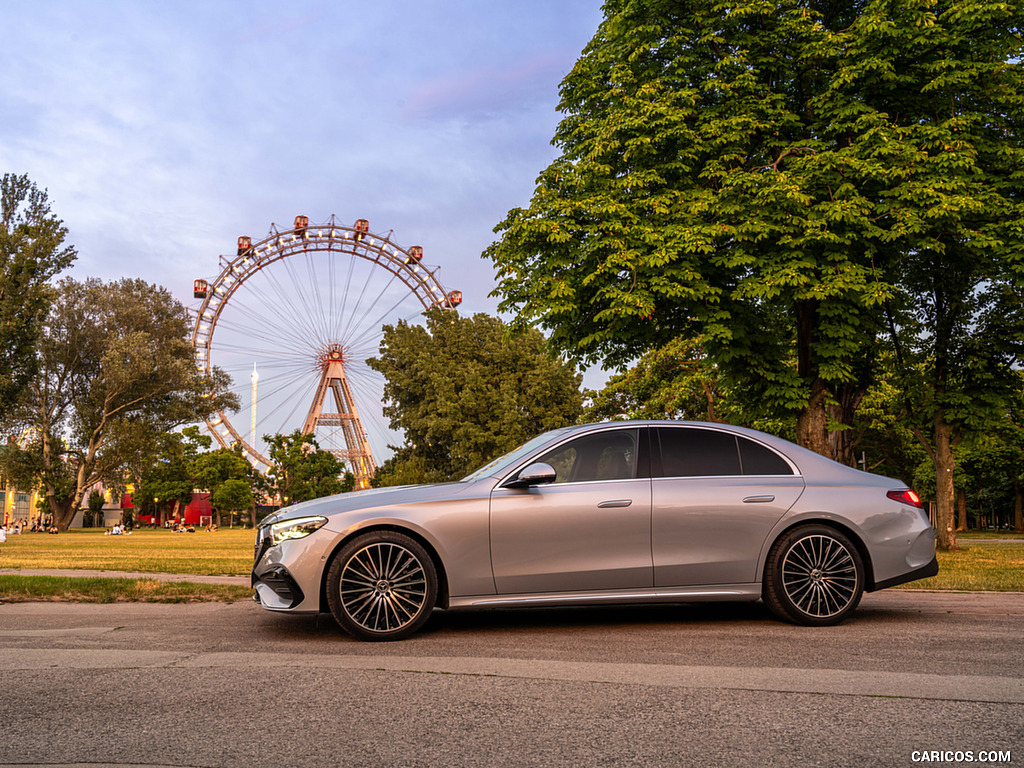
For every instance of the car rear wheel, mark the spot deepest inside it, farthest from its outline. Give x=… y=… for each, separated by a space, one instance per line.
x=382 y=586
x=814 y=576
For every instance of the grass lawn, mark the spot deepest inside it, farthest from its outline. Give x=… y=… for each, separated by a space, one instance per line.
x=985 y=563
x=18 y=589
x=988 y=562
x=225 y=552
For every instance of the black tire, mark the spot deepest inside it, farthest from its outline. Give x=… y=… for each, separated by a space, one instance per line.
x=382 y=585
x=814 y=576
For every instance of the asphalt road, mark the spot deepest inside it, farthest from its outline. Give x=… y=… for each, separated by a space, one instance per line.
x=912 y=675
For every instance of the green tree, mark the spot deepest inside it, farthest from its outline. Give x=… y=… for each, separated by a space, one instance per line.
x=993 y=462
x=32 y=251
x=787 y=179
x=95 y=506
x=677 y=381
x=463 y=392
x=953 y=211
x=302 y=470
x=114 y=362
x=709 y=185
x=233 y=495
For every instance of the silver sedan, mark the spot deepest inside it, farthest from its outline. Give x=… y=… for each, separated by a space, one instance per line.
x=621 y=512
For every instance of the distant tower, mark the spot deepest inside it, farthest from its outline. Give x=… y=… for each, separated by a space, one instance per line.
x=252 y=418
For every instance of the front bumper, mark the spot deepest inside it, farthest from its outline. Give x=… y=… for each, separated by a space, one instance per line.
x=287 y=576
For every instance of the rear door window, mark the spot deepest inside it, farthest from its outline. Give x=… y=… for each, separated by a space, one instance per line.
x=695 y=452
x=689 y=452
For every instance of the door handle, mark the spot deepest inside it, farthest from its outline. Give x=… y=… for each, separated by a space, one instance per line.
x=758 y=499
x=615 y=503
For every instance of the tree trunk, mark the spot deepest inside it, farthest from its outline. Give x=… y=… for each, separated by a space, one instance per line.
x=842 y=443
x=1018 y=507
x=945 y=495
x=812 y=421
x=62 y=514
x=961 y=507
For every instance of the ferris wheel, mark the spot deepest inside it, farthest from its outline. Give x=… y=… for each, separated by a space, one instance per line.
x=293 y=318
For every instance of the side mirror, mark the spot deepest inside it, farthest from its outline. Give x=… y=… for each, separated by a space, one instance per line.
x=535 y=474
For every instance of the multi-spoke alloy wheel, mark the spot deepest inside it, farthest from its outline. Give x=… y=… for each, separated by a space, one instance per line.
x=814 y=575
x=382 y=586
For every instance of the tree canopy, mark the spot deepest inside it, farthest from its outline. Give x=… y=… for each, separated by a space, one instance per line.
x=115 y=371
x=32 y=251
x=790 y=181
x=302 y=470
x=463 y=393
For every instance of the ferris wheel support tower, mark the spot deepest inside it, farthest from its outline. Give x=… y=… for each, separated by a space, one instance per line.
x=357 y=455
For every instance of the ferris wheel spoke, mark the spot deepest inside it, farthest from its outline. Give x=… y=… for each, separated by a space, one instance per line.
x=303 y=320
x=273 y=419
x=266 y=292
x=339 y=318
x=373 y=330
x=266 y=349
x=272 y=327
x=324 y=309
x=362 y=293
x=310 y=294
x=287 y=416
x=369 y=387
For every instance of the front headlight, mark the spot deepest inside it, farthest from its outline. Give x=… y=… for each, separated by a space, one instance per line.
x=297 y=528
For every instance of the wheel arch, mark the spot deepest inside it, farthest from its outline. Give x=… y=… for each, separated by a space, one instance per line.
x=442 y=575
x=830 y=522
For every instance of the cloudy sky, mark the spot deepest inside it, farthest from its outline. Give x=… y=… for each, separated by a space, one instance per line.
x=162 y=131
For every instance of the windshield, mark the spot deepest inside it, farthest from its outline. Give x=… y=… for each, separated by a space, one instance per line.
x=503 y=463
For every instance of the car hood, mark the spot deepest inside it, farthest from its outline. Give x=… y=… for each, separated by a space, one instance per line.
x=374 y=497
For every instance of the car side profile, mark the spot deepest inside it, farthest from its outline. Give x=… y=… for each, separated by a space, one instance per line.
x=619 y=512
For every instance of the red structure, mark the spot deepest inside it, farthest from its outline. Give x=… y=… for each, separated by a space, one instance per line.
x=194 y=511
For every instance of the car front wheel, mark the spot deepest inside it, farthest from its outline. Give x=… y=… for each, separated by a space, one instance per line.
x=814 y=576
x=382 y=586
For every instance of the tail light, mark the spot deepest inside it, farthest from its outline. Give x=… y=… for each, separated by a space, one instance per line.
x=906 y=496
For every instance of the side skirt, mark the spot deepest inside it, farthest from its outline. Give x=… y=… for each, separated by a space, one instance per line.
x=720 y=593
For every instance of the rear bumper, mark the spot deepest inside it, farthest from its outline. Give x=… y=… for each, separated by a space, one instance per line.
x=929 y=569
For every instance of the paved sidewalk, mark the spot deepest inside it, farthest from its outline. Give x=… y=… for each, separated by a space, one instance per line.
x=242 y=581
